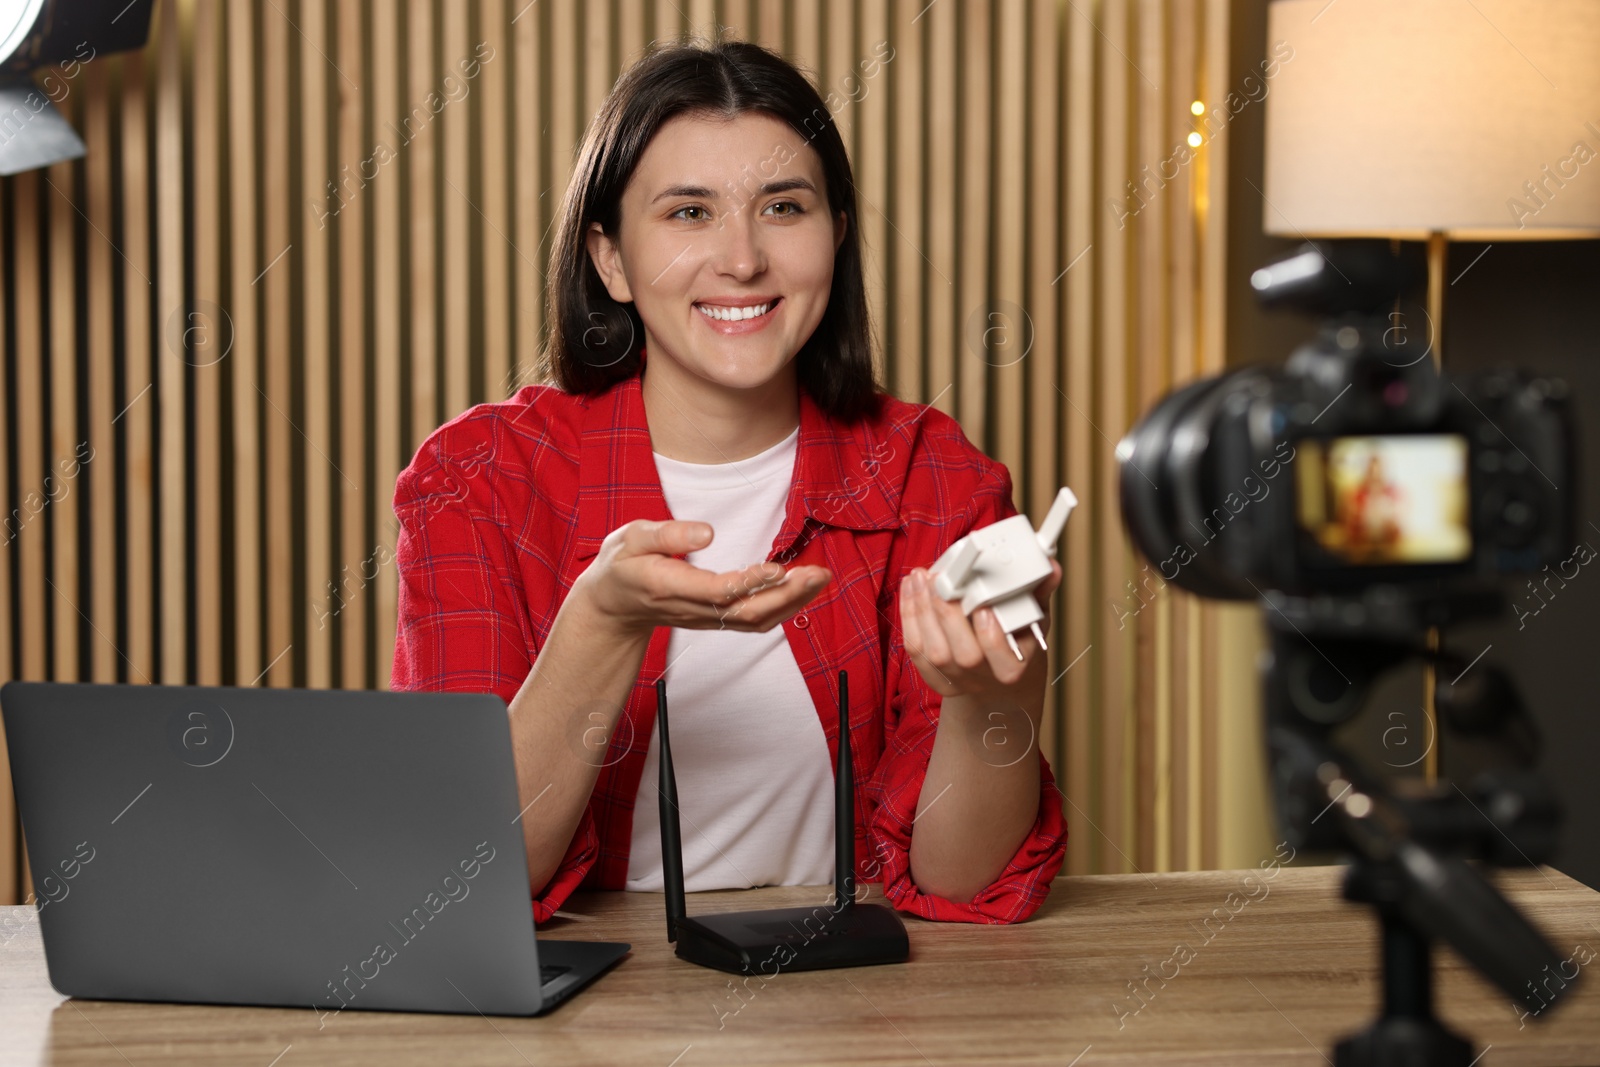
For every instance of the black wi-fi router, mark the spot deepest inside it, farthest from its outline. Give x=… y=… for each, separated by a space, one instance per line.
x=841 y=934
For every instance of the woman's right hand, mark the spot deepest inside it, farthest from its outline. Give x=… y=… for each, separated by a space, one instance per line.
x=637 y=585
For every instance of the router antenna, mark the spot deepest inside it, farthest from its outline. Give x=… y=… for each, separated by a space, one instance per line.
x=671 y=833
x=844 y=809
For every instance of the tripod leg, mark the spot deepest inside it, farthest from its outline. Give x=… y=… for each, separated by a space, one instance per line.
x=1408 y=1032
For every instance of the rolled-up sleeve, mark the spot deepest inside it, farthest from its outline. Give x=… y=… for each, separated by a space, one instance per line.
x=462 y=624
x=912 y=721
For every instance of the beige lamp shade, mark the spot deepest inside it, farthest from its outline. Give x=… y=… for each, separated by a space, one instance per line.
x=1477 y=119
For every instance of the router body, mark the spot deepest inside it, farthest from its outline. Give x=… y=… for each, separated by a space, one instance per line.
x=794 y=939
x=841 y=934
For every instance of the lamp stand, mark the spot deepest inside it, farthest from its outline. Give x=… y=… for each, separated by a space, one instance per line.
x=1438 y=255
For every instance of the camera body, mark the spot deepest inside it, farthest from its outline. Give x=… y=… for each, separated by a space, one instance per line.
x=1356 y=463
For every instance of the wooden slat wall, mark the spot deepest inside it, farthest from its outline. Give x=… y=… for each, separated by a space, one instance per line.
x=247 y=314
x=9 y=852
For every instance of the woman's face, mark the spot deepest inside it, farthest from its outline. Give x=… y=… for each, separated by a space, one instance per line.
x=720 y=217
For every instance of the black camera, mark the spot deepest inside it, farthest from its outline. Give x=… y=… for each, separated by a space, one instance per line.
x=1356 y=463
x=1368 y=501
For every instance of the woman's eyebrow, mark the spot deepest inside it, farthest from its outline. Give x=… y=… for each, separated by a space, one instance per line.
x=782 y=186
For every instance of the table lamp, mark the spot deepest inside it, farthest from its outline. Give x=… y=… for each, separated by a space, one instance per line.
x=1434 y=120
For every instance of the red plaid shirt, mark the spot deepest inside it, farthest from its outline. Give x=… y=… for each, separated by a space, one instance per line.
x=506 y=504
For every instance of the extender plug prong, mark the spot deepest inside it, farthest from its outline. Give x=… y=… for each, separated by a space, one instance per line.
x=1038 y=635
x=1012 y=641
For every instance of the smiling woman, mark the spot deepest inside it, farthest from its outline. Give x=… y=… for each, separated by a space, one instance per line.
x=711 y=370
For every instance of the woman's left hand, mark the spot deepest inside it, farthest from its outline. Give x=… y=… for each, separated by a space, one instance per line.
x=958 y=656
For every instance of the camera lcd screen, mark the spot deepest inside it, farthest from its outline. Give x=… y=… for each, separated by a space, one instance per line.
x=1394 y=499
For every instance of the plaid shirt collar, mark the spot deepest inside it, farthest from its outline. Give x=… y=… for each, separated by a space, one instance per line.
x=834 y=483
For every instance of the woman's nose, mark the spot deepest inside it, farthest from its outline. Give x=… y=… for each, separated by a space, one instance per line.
x=740 y=252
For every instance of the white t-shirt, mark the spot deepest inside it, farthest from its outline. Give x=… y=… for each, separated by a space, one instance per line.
x=755 y=781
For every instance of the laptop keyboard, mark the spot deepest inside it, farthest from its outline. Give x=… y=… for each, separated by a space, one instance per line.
x=550 y=974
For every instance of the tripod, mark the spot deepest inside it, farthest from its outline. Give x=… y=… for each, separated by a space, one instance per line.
x=1410 y=853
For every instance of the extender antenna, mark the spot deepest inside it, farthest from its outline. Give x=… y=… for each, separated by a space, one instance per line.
x=844 y=809
x=671 y=832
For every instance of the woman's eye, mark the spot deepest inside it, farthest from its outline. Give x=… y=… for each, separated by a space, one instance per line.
x=697 y=213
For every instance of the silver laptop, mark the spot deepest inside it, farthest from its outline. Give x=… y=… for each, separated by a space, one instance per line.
x=305 y=848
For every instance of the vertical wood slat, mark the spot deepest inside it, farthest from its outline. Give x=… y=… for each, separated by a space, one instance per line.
x=999 y=337
x=96 y=481
x=834 y=62
x=244 y=266
x=498 y=254
x=352 y=593
x=1213 y=275
x=11 y=879
x=1113 y=253
x=172 y=391
x=908 y=273
x=1182 y=341
x=138 y=399
x=209 y=338
x=986 y=152
x=633 y=32
x=941 y=335
x=670 y=20
x=29 y=544
x=565 y=75
x=388 y=310
x=532 y=199
x=768 y=28
x=1043 y=366
x=1150 y=687
x=456 y=202
x=277 y=275
x=702 y=18
x=1085 y=592
x=972 y=269
x=316 y=391
x=594 y=60
x=62 y=427
x=1008 y=325
x=805 y=43
x=419 y=138
x=864 y=86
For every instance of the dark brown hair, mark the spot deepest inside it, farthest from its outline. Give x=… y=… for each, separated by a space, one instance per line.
x=593 y=341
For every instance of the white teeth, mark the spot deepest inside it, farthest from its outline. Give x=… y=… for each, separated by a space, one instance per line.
x=734 y=314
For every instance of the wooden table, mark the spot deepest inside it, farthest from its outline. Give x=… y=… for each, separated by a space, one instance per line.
x=1287 y=972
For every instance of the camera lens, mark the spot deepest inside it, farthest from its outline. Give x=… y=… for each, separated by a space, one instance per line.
x=1167 y=474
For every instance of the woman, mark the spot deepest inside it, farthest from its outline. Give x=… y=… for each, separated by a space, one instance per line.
x=715 y=488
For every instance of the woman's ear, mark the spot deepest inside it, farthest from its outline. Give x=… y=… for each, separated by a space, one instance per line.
x=841 y=225
x=608 y=264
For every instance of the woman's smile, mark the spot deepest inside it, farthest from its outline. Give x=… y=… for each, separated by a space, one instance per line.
x=734 y=317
